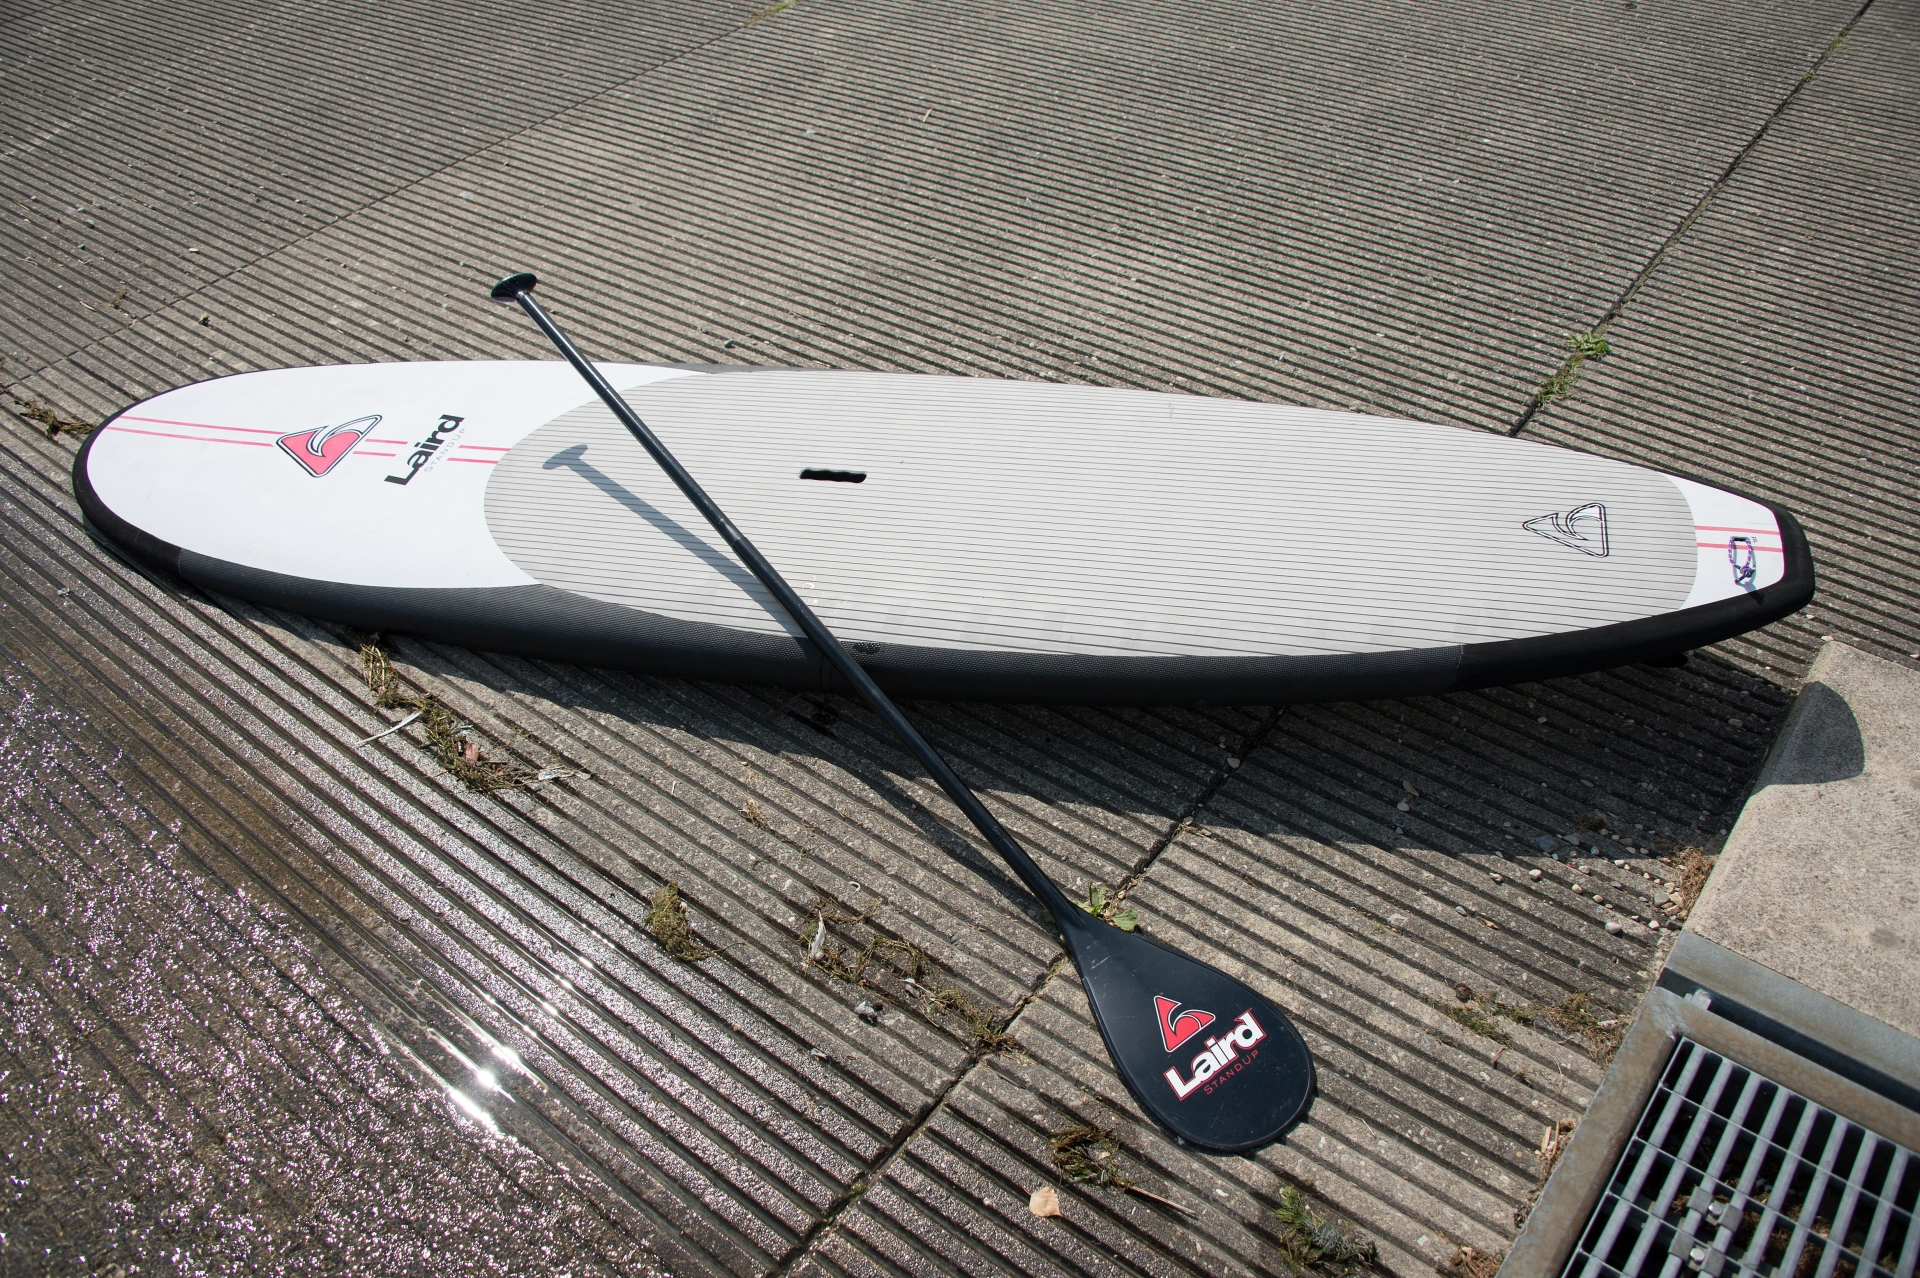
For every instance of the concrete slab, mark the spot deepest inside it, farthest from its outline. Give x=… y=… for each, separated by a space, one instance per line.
x=1820 y=880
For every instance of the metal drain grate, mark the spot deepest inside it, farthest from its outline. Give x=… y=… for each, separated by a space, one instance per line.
x=1729 y=1173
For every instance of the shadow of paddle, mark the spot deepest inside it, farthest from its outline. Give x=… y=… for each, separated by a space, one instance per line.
x=736 y=574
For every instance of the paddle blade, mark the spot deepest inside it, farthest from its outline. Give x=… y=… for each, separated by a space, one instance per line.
x=1215 y=1063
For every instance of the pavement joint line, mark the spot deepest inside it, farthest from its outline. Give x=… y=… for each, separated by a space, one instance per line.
x=810 y=1241
x=1571 y=365
x=401 y=189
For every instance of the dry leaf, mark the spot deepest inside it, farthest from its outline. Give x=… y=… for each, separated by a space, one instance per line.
x=1045 y=1201
x=1410 y=790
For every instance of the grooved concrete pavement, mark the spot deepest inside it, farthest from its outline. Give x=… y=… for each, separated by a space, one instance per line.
x=1397 y=209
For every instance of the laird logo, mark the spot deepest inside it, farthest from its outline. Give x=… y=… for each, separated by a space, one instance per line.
x=321 y=449
x=1225 y=1056
x=1175 y=1030
x=424 y=450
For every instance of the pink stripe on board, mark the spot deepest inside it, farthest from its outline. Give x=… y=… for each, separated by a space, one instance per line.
x=383 y=441
x=488 y=448
x=361 y=452
x=204 y=439
x=161 y=421
x=478 y=461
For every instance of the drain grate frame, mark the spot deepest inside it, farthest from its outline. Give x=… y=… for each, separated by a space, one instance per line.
x=1731 y=1173
x=1565 y=1233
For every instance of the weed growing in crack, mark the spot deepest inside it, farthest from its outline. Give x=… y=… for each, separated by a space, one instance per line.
x=899 y=973
x=1101 y=906
x=1312 y=1244
x=446 y=735
x=1584 y=346
x=666 y=919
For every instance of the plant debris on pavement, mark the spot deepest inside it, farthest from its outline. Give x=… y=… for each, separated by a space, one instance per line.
x=447 y=736
x=899 y=972
x=666 y=918
x=1313 y=1244
x=1088 y=1156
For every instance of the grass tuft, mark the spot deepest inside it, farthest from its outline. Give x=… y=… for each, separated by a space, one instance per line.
x=1312 y=1244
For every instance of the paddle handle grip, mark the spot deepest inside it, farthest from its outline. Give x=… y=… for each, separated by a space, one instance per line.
x=519 y=288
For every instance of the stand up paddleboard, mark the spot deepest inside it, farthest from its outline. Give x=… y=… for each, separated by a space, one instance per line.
x=967 y=538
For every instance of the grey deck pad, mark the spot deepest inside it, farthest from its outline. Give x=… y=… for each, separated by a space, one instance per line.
x=1036 y=518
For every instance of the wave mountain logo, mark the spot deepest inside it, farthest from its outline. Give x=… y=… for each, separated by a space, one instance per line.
x=1175 y=1030
x=1584 y=528
x=321 y=449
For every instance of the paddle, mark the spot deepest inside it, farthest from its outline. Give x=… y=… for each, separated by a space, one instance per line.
x=1201 y=1052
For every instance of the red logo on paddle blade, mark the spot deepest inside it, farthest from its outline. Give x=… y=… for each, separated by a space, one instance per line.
x=1175 y=1030
x=319 y=450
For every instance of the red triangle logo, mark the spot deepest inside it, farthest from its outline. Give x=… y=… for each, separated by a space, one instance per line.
x=321 y=449
x=1175 y=1030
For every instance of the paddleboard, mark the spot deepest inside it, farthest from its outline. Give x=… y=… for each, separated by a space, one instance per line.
x=965 y=538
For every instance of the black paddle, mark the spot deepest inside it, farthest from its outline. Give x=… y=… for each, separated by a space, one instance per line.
x=1200 y=1051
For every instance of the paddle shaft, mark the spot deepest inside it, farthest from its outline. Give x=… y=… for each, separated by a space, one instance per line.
x=815 y=629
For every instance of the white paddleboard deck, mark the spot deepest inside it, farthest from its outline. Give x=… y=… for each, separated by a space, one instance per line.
x=1002 y=540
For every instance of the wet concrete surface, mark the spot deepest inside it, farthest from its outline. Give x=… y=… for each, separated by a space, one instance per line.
x=186 y=1087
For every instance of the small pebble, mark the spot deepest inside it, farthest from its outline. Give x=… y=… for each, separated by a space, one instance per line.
x=867 y=1012
x=1396 y=920
x=1232 y=762
x=1541 y=719
x=1534 y=874
x=1497 y=878
x=1577 y=888
x=1403 y=806
x=1461 y=910
x=1613 y=927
